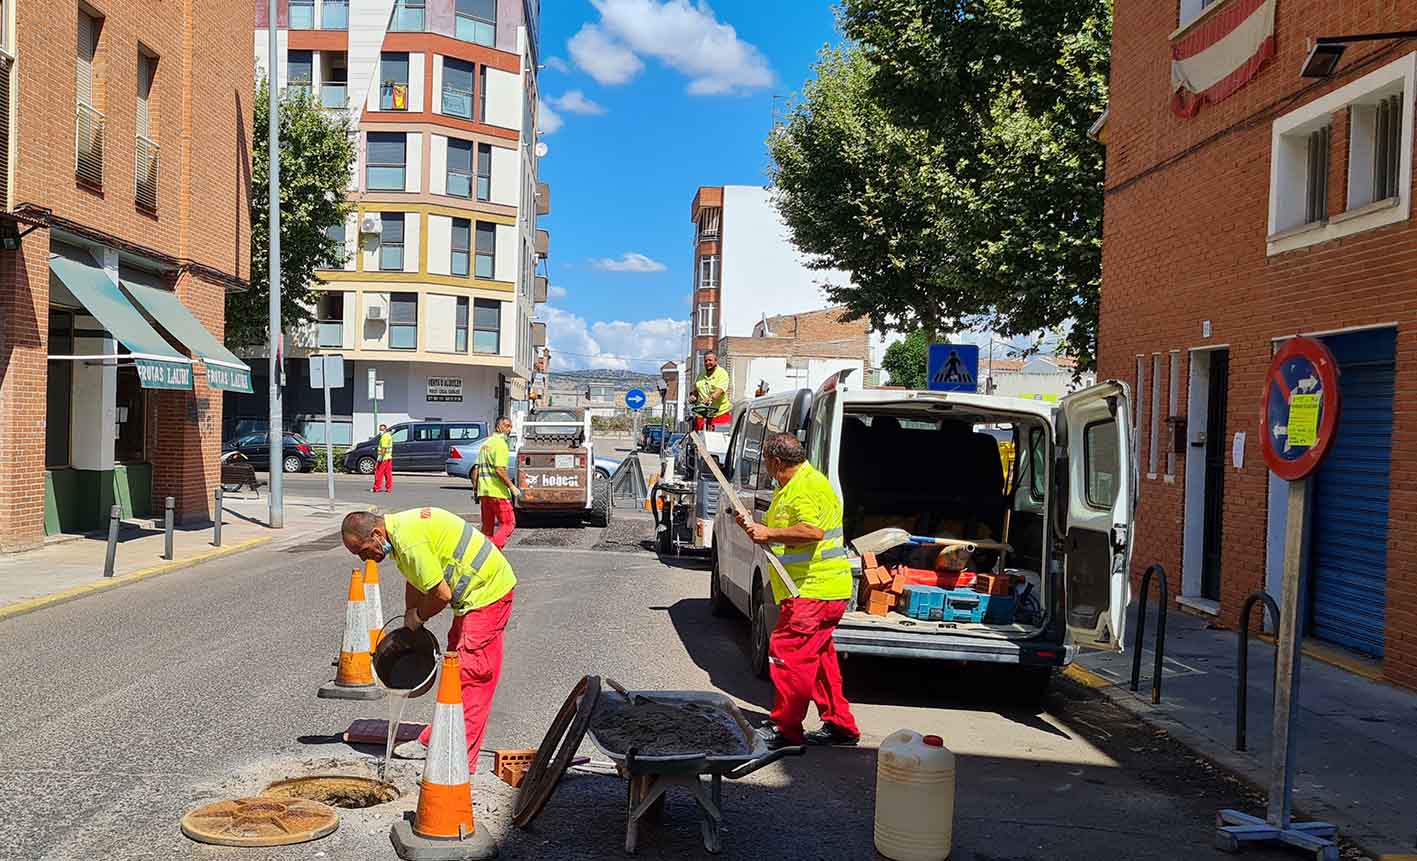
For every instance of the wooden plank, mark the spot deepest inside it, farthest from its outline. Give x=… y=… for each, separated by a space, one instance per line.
x=743 y=512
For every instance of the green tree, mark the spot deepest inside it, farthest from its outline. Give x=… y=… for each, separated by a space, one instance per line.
x=316 y=160
x=943 y=160
x=905 y=360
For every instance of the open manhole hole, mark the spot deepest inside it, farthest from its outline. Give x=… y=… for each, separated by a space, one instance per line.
x=336 y=790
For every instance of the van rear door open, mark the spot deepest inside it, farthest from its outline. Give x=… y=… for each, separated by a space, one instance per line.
x=1100 y=491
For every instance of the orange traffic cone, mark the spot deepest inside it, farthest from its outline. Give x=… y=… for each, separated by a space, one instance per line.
x=373 y=603
x=443 y=826
x=355 y=677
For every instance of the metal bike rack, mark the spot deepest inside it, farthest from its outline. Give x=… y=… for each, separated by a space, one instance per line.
x=1160 y=630
x=1242 y=661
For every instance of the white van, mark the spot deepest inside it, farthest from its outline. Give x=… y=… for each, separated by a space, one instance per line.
x=929 y=462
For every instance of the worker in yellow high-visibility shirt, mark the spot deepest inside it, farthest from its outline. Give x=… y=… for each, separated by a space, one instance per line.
x=494 y=486
x=803 y=528
x=447 y=563
x=712 y=396
x=384 y=461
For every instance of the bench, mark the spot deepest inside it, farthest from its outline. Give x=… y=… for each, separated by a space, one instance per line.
x=236 y=474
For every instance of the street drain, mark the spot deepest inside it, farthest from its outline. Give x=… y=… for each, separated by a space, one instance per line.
x=348 y=793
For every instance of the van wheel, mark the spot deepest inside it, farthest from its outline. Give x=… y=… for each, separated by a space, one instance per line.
x=365 y=466
x=760 y=633
x=1029 y=685
x=719 y=604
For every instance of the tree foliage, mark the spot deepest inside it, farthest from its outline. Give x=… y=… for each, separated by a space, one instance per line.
x=316 y=160
x=905 y=361
x=942 y=158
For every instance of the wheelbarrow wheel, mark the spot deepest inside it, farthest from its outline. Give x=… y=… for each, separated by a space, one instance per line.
x=557 y=750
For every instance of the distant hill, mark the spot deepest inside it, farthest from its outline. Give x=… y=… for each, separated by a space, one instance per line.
x=603 y=377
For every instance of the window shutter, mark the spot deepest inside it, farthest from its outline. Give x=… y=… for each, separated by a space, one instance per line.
x=145 y=84
x=84 y=65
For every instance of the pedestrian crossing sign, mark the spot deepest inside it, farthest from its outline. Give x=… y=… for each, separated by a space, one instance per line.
x=952 y=368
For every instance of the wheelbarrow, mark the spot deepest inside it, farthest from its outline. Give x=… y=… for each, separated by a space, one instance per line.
x=700 y=772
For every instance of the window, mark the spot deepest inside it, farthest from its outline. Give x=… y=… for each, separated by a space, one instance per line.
x=486 y=250
x=329 y=312
x=484 y=172
x=1155 y=413
x=1388 y=143
x=334 y=15
x=428 y=433
x=486 y=326
x=1191 y=9
x=457 y=88
x=477 y=21
x=709 y=222
x=752 y=449
x=1174 y=399
x=386 y=157
x=334 y=84
x=708 y=271
x=459 y=168
x=706 y=318
x=482 y=93
x=88 y=157
x=460 y=326
x=302 y=14
x=408 y=16
x=393 y=92
x=820 y=450
x=464 y=433
x=1100 y=464
x=399 y=434
x=1316 y=190
x=391 y=241
x=60 y=390
x=336 y=233
x=1375 y=151
x=403 y=321
x=301 y=73
x=1038 y=464
x=462 y=240
x=145 y=143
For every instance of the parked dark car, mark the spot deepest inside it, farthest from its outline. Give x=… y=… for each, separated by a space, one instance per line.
x=418 y=446
x=296 y=453
x=652 y=438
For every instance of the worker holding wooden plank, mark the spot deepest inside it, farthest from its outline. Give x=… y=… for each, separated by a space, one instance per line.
x=803 y=528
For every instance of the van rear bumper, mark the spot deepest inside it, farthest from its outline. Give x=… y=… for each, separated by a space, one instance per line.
x=951 y=647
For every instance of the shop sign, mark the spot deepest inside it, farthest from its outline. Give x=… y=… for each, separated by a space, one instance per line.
x=445 y=390
x=153 y=374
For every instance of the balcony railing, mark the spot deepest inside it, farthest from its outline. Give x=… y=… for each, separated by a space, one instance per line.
x=334 y=96
x=331 y=334
x=543 y=199
x=457 y=103
x=88 y=156
x=334 y=15
x=145 y=173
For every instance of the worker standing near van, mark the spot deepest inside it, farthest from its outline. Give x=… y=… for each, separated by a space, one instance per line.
x=447 y=563
x=495 y=487
x=384 y=461
x=803 y=528
x=711 y=392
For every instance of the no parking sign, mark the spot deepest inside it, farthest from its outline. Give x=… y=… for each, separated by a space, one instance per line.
x=1300 y=408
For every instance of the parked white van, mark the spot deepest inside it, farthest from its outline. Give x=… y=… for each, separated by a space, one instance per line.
x=930 y=462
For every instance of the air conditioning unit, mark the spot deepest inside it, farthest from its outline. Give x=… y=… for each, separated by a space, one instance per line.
x=371 y=224
x=374 y=312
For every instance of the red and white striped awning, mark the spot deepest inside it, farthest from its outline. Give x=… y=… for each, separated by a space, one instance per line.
x=1221 y=54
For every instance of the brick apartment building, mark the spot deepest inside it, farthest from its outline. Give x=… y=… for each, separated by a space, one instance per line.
x=1246 y=204
x=796 y=351
x=124 y=220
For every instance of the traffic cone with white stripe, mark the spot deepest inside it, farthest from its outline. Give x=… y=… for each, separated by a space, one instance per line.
x=355 y=678
x=443 y=827
x=373 y=603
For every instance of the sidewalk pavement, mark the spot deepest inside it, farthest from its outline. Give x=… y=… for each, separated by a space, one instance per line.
x=1356 y=738
x=69 y=566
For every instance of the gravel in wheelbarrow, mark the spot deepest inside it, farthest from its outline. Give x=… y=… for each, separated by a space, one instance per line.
x=654 y=728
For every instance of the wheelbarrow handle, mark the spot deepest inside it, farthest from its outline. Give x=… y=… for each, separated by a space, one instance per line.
x=751 y=766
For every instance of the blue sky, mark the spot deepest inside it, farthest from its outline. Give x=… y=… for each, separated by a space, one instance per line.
x=648 y=100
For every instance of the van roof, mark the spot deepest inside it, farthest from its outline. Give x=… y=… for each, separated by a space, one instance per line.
x=1043 y=409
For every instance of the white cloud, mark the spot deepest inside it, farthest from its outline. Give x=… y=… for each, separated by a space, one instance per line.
x=556 y=64
x=601 y=57
x=550 y=121
x=576 y=102
x=554 y=292
x=684 y=35
x=643 y=346
x=632 y=261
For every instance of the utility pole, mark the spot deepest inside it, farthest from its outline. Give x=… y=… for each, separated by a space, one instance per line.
x=277 y=426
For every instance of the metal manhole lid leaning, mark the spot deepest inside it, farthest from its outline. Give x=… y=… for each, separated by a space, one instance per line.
x=260 y=822
x=557 y=749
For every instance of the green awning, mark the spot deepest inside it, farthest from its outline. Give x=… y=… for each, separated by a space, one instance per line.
x=159 y=366
x=224 y=370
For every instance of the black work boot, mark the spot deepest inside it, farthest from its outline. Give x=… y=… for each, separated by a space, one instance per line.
x=831 y=734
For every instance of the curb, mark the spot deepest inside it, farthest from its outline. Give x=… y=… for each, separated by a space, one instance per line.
x=1242 y=765
x=21 y=608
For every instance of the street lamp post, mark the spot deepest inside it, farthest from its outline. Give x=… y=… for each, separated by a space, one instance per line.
x=1324 y=56
x=276 y=433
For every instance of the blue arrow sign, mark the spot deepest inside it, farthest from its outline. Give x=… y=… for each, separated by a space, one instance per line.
x=952 y=368
x=635 y=399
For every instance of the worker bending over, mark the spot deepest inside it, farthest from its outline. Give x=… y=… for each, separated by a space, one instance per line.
x=447 y=562
x=384 y=461
x=803 y=529
x=494 y=486
x=711 y=393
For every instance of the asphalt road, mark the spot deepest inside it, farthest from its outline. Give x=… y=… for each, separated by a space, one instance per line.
x=128 y=707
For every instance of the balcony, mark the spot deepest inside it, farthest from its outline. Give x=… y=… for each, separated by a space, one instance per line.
x=145 y=173
x=543 y=244
x=538 y=334
x=88 y=155
x=541 y=288
x=457 y=103
x=543 y=199
x=334 y=97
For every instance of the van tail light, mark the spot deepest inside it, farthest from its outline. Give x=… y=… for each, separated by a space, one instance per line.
x=454 y=454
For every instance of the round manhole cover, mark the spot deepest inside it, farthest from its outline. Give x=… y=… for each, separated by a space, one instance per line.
x=336 y=790
x=260 y=822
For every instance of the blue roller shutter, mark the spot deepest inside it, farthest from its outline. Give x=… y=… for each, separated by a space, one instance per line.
x=1349 y=529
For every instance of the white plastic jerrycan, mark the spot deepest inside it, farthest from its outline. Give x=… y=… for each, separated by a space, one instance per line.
x=915 y=797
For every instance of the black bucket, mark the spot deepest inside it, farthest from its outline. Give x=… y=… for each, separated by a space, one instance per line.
x=406 y=661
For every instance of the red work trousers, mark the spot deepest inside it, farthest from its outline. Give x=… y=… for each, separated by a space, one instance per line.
x=476 y=636
x=498 y=520
x=384 y=475
x=723 y=421
x=803 y=665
